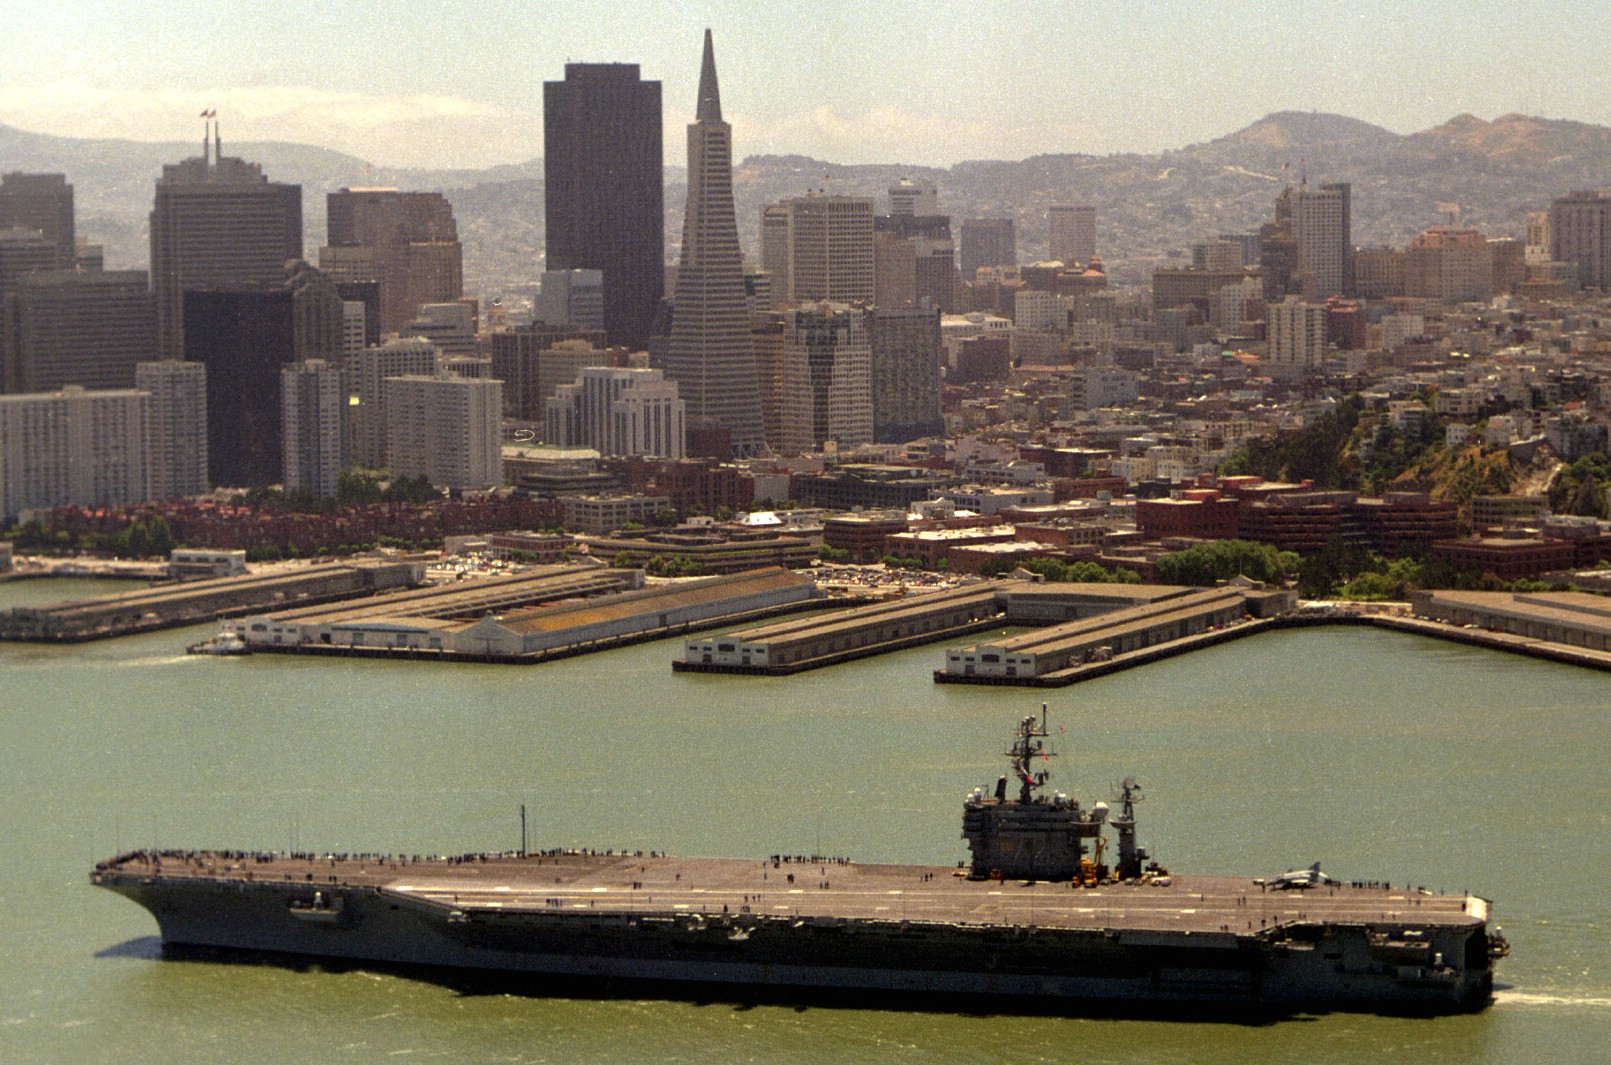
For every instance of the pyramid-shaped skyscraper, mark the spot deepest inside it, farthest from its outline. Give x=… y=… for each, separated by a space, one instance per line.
x=711 y=355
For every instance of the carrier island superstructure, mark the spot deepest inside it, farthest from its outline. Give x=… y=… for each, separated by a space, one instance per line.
x=1038 y=920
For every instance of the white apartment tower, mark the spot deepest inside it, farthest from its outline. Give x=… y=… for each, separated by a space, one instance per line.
x=619 y=411
x=176 y=440
x=367 y=371
x=445 y=427
x=1297 y=338
x=312 y=426
x=72 y=447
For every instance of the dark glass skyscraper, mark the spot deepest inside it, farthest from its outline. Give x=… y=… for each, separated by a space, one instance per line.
x=217 y=221
x=604 y=198
x=244 y=335
x=43 y=202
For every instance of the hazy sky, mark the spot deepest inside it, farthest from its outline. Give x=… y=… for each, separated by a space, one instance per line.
x=450 y=82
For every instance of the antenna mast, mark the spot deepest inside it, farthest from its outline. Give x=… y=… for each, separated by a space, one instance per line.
x=1027 y=746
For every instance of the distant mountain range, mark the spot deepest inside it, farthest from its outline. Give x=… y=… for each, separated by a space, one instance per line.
x=1150 y=208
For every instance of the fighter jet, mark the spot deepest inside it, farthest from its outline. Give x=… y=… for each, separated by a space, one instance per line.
x=1299 y=879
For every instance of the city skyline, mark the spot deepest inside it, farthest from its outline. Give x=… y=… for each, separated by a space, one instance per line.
x=1106 y=80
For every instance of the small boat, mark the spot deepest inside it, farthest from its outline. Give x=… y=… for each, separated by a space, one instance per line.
x=227 y=642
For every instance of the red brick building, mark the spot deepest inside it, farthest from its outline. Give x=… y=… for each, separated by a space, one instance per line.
x=1507 y=558
x=1203 y=515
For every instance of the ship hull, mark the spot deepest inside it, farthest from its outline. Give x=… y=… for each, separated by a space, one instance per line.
x=1016 y=968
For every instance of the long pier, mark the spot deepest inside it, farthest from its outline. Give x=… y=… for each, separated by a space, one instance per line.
x=1080 y=632
x=553 y=613
x=165 y=606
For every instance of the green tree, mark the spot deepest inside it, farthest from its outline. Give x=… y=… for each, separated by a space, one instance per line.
x=1222 y=560
x=357 y=487
x=1581 y=487
x=416 y=489
x=1317 y=452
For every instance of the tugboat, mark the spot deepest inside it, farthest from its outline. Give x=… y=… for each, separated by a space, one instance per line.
x=226 y=642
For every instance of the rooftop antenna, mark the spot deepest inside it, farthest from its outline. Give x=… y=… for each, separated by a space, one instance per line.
x=218 y=142
x=205 y=115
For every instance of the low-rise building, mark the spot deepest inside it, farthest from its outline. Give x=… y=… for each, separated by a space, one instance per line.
x=1508 y=558
x=602 y=514
x=187 y=563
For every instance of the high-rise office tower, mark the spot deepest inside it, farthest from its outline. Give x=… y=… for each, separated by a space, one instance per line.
x=819 y=248
x=176 y=443
x=711 y=356
x=520 y=358
x=450 y=326
x=72 y=447
x=312 y=427
x=217 y=221
x=562 y=364
x=987 y=242
x=618 y=411
x=766 y=332
x=63 y=327
x=23 y=251
x=914 y=261
x=244 y=336
x=908 y=199
x=407 y=242
x=354 y=327
x=573 y=298
x=1450 y=264
x=905 y=347
x=446 y=428
x=604 y=197
x=1580 y=233
x=827 y=377
x=1321 y=226
x=1378 y=273
x=1073 y=233
x=366 y=294
x=43 y=202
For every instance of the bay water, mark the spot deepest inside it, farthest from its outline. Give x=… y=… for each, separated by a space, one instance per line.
x=1382 y=755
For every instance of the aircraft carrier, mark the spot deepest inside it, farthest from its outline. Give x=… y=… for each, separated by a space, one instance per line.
x=1037 y=921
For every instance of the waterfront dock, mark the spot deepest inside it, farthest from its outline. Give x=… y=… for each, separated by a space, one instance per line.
x=859 y=632
x=1053 y=656
x=554 y=612
x=169 y=605
x=910 y=621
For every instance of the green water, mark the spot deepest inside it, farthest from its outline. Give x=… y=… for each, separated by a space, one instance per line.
x=1385 y=756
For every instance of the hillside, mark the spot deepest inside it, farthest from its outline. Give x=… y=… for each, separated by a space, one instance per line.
x=1151 y=207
